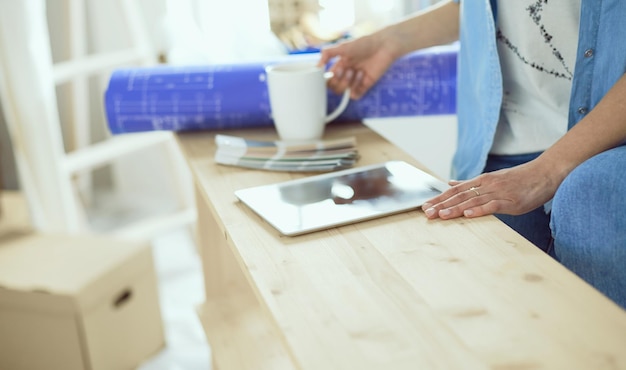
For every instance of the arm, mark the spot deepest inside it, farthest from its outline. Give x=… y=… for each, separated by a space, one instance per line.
x=361 y=62
x=433 y=26
x=523 y=188
x=602 y=129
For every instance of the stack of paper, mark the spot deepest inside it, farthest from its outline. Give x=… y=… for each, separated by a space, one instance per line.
x=320 y=155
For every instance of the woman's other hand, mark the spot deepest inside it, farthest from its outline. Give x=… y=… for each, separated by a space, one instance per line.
x=512 y=191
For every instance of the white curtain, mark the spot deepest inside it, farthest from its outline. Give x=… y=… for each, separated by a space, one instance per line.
x=215 y=31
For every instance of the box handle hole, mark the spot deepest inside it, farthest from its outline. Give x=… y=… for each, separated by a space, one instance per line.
x=122 y=298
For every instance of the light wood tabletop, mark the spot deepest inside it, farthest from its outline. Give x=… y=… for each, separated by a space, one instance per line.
x=398 y=292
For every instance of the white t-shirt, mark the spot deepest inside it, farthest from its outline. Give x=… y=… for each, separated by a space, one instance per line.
x=537 y=43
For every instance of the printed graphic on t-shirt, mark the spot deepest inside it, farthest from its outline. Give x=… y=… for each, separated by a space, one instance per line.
x=537 y=43
x=535 y=11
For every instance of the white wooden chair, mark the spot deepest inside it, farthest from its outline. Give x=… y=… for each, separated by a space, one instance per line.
x=52 y=170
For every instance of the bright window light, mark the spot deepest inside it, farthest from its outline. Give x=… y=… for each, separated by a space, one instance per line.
x=382 y=6
x=336 y=15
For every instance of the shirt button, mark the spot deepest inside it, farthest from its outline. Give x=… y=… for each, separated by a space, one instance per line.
x=582 y=110
x=588 y=53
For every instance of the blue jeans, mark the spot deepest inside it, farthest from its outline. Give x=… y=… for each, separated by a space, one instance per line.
x=589 y=223
x=586 y=230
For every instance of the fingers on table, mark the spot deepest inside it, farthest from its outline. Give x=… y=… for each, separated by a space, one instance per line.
x=460 y=200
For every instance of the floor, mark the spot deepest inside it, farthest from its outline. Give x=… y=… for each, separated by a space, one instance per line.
x=181 y=289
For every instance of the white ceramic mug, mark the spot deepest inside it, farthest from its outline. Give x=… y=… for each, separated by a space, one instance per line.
x=298 y=100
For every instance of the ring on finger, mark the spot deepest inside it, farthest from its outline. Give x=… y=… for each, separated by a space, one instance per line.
x=475 y=190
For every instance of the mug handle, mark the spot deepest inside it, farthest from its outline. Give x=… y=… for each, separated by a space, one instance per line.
x=345 y=99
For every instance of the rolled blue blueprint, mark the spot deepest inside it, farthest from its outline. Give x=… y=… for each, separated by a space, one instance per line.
x=212 y=97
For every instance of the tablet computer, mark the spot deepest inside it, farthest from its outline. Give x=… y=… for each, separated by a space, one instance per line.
x=323 y=201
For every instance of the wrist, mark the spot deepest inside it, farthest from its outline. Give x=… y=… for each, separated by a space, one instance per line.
x=391 y=39
x=553 y=169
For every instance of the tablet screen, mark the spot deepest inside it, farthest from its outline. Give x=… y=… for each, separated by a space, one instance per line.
x=332 y=199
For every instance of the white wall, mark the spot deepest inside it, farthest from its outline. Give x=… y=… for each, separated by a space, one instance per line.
x=431 y=140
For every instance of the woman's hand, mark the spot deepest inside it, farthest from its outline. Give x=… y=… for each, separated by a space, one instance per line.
x=513 y=191
x=521 y=189
x=359 y=63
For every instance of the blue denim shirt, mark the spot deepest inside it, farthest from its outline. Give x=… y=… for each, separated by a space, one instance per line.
x=600 y=62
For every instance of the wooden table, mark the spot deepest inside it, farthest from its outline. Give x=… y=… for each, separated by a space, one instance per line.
x=399 y=292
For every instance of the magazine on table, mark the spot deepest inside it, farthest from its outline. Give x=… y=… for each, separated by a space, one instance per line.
x=305 y=156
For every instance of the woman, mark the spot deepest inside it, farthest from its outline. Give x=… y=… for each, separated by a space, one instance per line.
x=542 y=120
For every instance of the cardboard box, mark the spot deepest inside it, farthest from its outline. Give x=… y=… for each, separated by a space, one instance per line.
x=77 y=302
